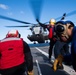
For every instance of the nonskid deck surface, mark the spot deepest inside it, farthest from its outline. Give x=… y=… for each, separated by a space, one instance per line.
x=43 y=67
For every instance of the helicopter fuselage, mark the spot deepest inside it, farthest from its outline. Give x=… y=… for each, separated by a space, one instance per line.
x=38 y=34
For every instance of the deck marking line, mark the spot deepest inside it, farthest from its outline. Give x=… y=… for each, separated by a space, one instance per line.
x=39 y=70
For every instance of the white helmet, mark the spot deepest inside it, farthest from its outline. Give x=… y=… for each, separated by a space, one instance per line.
x=13 y=33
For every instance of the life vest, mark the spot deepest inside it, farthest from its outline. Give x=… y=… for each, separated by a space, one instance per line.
x=50 y=35
x=12 y=54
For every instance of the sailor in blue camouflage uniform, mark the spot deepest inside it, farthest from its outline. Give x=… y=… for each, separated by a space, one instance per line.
x=68 y=33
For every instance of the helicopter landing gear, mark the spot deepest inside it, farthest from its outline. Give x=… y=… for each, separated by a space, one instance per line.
x=34 y=42
x=46 y=41
x=41 y=41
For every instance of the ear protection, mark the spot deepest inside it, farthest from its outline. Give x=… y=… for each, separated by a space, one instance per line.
x=59 y=28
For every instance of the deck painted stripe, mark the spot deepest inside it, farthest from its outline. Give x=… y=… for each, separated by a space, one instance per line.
x=39 y=70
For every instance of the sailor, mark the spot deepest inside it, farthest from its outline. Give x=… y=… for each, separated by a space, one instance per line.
x=15 y=55
x=67 y=33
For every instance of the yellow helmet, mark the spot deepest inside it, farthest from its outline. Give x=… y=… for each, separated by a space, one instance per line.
x=52 y=21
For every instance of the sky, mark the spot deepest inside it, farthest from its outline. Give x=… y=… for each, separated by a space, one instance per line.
x=29 y=10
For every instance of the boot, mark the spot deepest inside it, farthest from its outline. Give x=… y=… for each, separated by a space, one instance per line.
x=30 y=73
x=55 y=64
x=60 y=58
x=58 y=63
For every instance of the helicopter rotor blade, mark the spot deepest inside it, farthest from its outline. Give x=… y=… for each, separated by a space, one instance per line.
x=68 y=14
x=71 y=13
x=37 y=20
x=63 y=17
x=16 y=26
x=11 y=19
x=46 y=22
x=36 y=6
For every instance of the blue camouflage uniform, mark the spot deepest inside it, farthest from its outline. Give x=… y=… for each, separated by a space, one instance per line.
x=73 y=49
x=71 y=58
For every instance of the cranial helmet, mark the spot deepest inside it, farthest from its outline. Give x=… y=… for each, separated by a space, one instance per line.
x=52 y=21
x=13 y=33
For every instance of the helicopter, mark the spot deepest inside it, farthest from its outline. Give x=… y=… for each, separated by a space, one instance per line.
x=39 y=34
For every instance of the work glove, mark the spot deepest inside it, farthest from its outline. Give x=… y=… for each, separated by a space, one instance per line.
x=30 y=73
